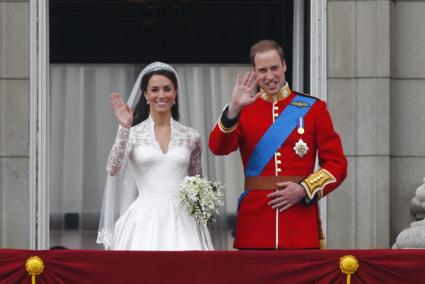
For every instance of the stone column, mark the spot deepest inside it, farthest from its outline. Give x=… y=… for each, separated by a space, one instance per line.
x=407 y=108
x=14 y=123
x=359 y=102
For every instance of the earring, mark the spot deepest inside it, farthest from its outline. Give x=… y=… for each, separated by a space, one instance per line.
x=147 y=101
x=174 y=102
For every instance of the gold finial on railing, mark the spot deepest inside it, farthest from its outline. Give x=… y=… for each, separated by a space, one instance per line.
x=348 y=265
x=34 y=266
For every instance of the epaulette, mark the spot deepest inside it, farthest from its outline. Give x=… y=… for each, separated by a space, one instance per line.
x=301 y=103
x=305 y=95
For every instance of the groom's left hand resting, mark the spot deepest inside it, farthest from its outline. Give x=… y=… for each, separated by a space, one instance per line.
x=288 y=194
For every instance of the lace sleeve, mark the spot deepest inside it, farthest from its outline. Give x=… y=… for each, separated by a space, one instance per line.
x=119 y=151
x=195 y=166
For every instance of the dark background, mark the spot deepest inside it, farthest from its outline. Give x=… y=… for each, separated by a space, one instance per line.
x=173 y=31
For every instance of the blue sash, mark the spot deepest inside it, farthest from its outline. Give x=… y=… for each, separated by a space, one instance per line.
x=277 y=134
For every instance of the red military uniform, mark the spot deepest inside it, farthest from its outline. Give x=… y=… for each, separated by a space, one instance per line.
x=258 y=225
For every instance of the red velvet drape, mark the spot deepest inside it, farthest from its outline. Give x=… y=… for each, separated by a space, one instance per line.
x=256 y=267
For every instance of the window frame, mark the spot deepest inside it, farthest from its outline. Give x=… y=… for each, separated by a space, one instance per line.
x=40 y=111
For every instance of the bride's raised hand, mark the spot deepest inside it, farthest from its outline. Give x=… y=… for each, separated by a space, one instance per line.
x=123 y=113
x=244 y=93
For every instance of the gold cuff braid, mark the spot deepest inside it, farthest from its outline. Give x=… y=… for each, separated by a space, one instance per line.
x=316 y=182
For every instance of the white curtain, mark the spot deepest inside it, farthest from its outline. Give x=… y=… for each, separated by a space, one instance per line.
x=83 y=128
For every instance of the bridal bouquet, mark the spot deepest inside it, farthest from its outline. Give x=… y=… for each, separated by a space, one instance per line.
x=201 y=198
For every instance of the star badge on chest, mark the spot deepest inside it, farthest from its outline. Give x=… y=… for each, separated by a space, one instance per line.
x=300 y=148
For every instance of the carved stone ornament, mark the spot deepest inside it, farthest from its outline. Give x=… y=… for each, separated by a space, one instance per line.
x=414 y=237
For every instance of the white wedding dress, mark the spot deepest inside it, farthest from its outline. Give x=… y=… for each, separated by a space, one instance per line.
x=156 y=220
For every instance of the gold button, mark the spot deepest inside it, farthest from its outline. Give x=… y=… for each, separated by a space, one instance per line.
x=278 y=170
x=276 y=115
x=278 y=154
x=279 y=162
x=276 y=108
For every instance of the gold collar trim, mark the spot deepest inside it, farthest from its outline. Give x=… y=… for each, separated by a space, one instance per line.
x=282 y=94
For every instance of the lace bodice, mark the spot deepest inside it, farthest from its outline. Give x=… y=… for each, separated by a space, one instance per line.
x=154 y=170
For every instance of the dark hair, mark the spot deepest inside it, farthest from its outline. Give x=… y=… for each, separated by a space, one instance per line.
x=263 y=46
x=58 y=247
x=142 y=108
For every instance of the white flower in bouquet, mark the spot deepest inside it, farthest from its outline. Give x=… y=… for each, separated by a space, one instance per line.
x=201 y=198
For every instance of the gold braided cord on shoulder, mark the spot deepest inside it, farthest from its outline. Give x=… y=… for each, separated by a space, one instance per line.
x=317 y=181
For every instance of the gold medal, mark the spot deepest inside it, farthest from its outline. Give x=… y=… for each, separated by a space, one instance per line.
x=301 y=125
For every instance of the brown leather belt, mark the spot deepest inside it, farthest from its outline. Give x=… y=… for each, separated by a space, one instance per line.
x=268 y=182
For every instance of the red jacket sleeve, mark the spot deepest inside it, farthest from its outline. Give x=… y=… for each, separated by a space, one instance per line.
x=332 y=161
x=224 y=138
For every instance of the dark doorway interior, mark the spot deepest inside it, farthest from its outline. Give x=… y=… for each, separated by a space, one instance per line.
x=174 y=31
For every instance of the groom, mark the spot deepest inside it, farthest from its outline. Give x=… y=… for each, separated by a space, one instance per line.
x=278 y=132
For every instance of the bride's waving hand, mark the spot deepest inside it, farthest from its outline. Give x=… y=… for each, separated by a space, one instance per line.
x=122 y=111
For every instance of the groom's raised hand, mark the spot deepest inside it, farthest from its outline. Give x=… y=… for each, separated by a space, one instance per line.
x=243 y=93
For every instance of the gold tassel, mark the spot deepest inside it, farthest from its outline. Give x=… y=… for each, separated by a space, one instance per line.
x=34 y=266
x=348 y=265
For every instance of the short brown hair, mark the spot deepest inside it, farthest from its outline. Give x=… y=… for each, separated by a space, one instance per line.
x=263 y=46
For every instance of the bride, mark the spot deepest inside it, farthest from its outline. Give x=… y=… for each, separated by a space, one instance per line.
x=151 y=155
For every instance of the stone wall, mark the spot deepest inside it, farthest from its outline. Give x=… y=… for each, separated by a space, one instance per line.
x=407 y=109
x=14 y=123
x=359 y=101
